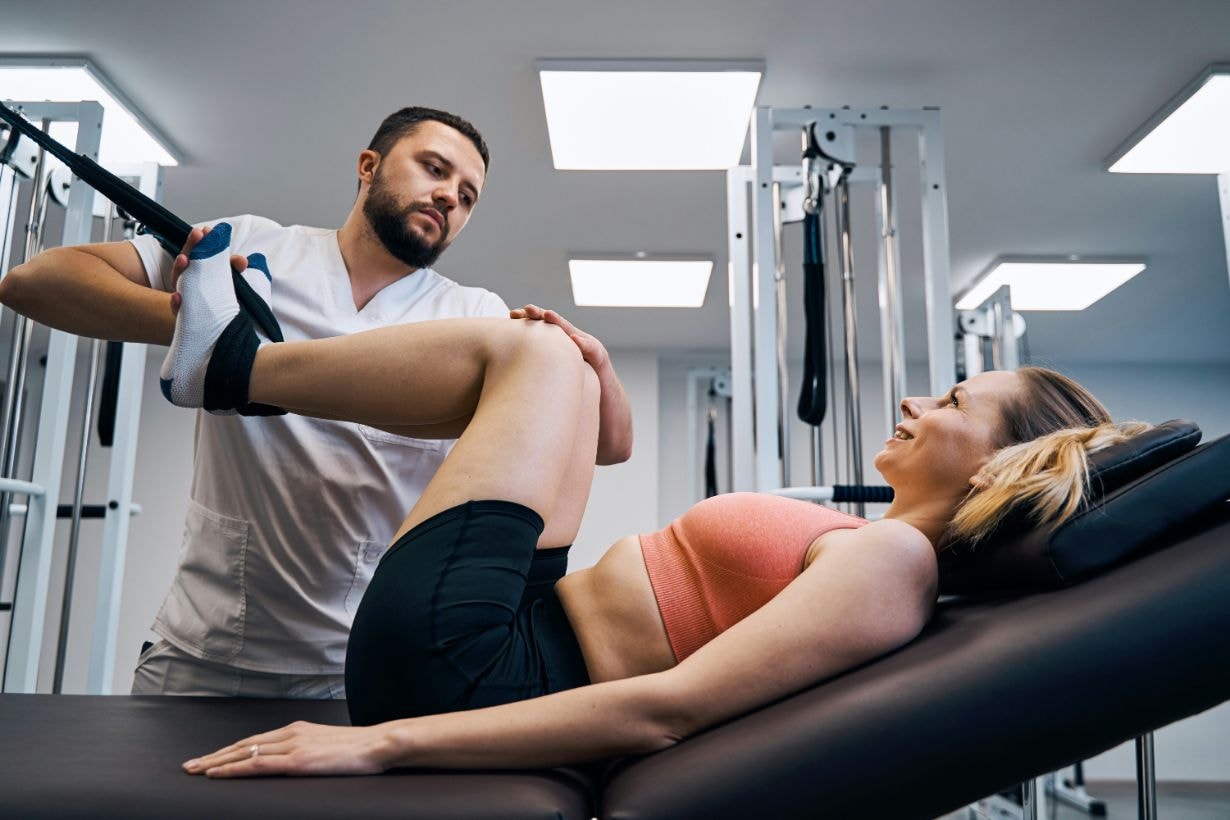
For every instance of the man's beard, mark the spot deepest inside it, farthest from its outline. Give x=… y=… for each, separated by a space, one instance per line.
x=389 y=219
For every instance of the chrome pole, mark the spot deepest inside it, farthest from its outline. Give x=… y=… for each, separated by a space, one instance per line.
x=1029 y=800
x=10 y=427
x=830 y=306
x=854 y=412
x=1146 y=779
x=892 y=314
x=74 y=536
x=783 y=375
x=8 y=183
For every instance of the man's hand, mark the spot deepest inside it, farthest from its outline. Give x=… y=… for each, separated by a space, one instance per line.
x=592 y=350
x=238 y=263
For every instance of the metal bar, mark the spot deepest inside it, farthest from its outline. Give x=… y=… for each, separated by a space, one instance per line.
x=8 y=215
x=1029 y=800
x=1223 y=190
x=792 y=118
x=830 y=322
x=34 y=569
x=854 y=420
x=937 y=275
x=892 y=320
x=1146 y=779
x=764 y=295
x=693 y=405
x=74 y=533
x=738 y=237
x=817 y=456
x=15 y=485
x=783 y=373
x=10 y=427
x=113 y=552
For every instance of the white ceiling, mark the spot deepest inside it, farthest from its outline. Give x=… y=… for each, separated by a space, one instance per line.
x=271 y=100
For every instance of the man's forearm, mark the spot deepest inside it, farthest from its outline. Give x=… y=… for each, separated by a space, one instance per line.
x=614 y=419
x=77 y=292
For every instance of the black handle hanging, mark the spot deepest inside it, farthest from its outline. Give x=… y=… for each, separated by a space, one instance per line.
x=109 y=401
x=813 y=397
x=813 y=404
x=711 y=487
x=813 y=400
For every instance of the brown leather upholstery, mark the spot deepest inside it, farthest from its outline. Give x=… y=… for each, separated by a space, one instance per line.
x=991 y=694
x=67 y=756
x=1139 y=491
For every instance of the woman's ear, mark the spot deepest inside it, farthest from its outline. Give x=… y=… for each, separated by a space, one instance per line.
x=980 y=480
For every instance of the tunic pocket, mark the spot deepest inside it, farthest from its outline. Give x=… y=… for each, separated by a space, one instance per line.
x=208 y=600
x=375 y=434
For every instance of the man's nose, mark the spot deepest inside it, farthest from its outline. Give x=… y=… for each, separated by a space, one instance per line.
x=444 y=199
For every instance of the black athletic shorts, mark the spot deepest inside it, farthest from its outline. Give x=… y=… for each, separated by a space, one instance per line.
x=461 y=613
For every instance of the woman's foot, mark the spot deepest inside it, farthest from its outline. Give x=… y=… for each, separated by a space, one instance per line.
x=215 y=342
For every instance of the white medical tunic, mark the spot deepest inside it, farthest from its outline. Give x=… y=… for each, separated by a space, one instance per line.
x=288 y=515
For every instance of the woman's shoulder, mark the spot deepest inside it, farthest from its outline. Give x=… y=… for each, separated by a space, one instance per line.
x=887 y=538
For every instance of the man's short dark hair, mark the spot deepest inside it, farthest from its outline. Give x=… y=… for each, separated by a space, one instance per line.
x=407 y=120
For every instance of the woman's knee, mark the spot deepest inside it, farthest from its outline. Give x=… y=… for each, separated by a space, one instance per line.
x=541 y=341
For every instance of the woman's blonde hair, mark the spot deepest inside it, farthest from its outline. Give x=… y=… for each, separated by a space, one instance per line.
x=1042 y=468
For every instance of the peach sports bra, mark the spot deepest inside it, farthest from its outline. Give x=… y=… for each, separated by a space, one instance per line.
x=728 y=556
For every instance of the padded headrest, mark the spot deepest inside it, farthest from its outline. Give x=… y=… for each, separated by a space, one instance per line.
x=1139 y=490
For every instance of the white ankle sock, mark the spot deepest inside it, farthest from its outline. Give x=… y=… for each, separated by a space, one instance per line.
x=208 y=306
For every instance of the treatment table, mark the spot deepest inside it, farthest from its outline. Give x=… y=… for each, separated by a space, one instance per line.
x=995 y=691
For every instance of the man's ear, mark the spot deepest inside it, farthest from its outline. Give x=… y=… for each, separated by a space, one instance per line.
x=369 y=161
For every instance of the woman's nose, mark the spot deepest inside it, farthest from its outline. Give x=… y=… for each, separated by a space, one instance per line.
x=910 y=408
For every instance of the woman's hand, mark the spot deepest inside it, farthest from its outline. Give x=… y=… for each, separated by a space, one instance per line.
x=301 y=749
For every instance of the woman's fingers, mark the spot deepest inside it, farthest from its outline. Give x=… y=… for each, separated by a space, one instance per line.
x=240 y=750
x=298 y=749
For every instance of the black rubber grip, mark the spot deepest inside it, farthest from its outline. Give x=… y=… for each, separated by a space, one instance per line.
x=866 y=495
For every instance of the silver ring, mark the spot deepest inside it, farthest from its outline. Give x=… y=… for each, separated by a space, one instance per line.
x=255 y=750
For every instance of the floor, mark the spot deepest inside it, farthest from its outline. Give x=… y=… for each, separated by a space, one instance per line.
x=1175 y=801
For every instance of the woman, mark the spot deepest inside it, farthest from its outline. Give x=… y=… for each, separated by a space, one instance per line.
x=472 y=650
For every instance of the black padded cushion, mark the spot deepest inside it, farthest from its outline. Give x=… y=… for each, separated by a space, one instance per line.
x=77 y=756
x=991 y=693
x=1018 y=556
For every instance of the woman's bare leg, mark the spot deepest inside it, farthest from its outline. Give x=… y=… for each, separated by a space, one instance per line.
x=565 y=520
x=524 y=384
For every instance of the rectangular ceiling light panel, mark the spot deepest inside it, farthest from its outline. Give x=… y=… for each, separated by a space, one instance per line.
x=1191 y=135
x=1050 y=285
x=625 y=116
x=126 y=137
x=639 y=282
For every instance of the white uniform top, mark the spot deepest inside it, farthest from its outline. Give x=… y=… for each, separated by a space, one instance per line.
x=289 y=515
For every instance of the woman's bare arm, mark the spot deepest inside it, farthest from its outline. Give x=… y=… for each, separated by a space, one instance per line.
x=868 y=594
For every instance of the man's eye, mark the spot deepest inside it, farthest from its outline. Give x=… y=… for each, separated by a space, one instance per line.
x=953 y=400
x=434 y=169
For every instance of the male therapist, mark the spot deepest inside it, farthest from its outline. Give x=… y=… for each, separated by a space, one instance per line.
x=288 y=515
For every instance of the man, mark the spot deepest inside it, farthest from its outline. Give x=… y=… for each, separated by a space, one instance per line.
x=288 y=515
